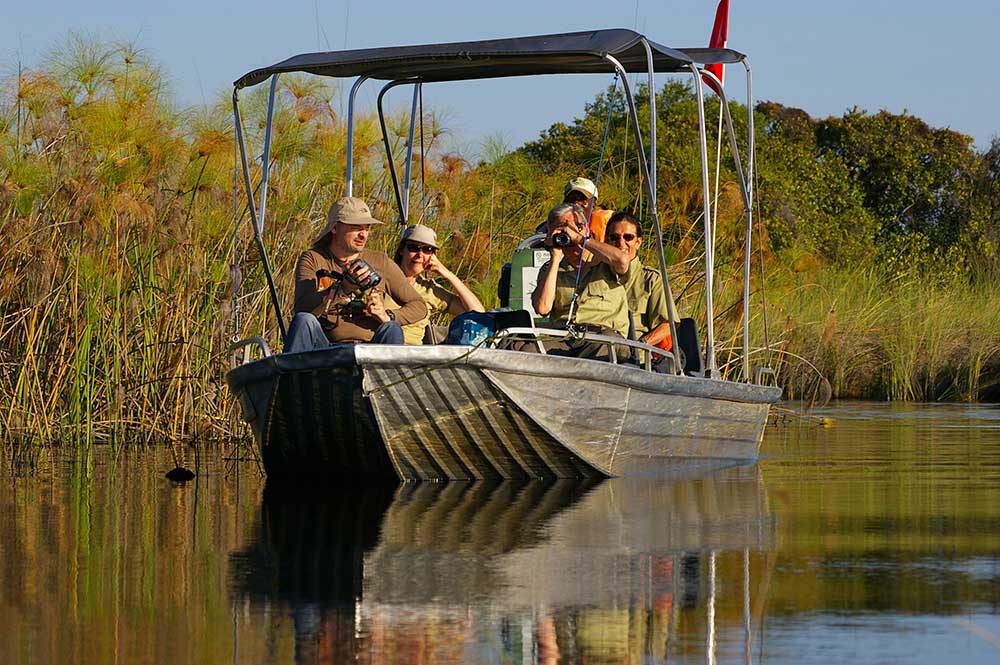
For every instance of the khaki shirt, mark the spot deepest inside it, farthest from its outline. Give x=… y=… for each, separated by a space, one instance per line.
x=438 y=301
x=646 y=298
x=313 y=294
x=602 y=300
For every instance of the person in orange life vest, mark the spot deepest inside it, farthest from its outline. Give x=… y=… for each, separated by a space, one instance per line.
x=583 y=192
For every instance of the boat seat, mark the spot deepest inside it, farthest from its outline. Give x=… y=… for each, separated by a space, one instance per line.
x=687 y=342
x=515 y=318
x=435 y=334
x=503 y=285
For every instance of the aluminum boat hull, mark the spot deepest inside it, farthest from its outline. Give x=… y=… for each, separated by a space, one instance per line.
x=455 y=413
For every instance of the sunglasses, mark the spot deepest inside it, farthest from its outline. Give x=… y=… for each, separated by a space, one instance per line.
x=420 y=249
x=627 y=237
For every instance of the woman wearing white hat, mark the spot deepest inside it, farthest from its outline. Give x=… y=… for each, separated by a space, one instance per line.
x=417 y=256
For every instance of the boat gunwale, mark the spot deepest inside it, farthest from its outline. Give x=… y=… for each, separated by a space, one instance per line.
x=502 y=360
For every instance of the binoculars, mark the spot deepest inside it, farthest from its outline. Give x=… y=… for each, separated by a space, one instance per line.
x=561 y=239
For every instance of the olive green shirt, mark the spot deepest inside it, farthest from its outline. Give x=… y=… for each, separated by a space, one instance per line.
x=602 y=300
x=646 y=298
x=438 y=301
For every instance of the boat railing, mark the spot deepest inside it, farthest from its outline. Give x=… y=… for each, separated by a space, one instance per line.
x=241 y=351
x=761 y=372
x=505 y=337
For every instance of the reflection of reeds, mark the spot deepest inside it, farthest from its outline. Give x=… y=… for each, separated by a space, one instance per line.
x=115 y=249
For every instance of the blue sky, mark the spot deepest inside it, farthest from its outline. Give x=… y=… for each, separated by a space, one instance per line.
x=927 y=57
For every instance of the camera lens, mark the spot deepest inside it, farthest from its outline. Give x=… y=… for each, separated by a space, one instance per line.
x=370 y=282
x=561 y=239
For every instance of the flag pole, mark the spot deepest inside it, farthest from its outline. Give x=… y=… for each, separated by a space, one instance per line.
x=718 y=39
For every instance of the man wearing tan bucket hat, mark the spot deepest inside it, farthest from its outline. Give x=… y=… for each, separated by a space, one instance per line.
x=341 y=287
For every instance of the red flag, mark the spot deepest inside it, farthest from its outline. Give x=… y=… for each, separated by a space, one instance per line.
x=720 y=34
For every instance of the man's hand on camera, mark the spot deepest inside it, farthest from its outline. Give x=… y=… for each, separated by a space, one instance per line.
x=570 y=231
x=376 y=307
x=359 y=272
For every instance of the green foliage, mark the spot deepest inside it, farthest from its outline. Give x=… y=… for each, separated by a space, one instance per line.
x=917 y=181
x=807 y=199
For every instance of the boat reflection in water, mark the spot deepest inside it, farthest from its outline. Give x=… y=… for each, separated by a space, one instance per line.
x=619 y=570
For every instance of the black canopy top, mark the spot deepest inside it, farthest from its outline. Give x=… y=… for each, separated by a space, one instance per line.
x=569 y=53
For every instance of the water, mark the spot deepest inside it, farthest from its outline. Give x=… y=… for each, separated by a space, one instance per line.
x=870 y=534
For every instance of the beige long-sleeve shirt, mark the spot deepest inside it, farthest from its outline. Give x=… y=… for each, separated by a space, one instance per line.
x=327 y=298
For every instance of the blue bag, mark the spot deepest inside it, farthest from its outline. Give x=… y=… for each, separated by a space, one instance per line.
x=471 y=328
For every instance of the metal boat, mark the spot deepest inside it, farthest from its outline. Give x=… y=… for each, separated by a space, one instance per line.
x=489 y=411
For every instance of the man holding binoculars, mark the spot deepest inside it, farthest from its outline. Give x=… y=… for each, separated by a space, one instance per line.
x=588 y=293
x=340 y=286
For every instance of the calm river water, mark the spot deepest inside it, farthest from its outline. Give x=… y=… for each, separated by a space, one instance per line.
x=872 y=536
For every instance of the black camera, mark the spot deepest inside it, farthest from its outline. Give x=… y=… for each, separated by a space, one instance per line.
x=370 y=282
x=353 y=307
x=561 y=239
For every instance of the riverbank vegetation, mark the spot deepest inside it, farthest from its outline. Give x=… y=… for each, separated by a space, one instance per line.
x=878 y=238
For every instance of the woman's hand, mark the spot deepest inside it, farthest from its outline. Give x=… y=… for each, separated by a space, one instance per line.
x=375 y=307
x=435 y=267
x=467 y=300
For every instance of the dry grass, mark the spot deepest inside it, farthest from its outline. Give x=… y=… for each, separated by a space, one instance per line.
x=897 y=339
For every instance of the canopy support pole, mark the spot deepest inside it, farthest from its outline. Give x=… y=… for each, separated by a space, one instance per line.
x=668 y=294
x=711 y=369
x=388 y=148
x=751 y=165
x=349 y=178
x=749 y=237
x=644 y=168
x=745 y=191
x=266 y=158
x=409 y=154
x=257 y=227
x=236 y=239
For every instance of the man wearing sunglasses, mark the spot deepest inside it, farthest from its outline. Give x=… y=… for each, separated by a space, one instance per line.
x=341 y=288
x=646 y=295
x=588 y=293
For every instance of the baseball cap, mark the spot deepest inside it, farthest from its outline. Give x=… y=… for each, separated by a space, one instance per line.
x=581 y=185
x=420 y=233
